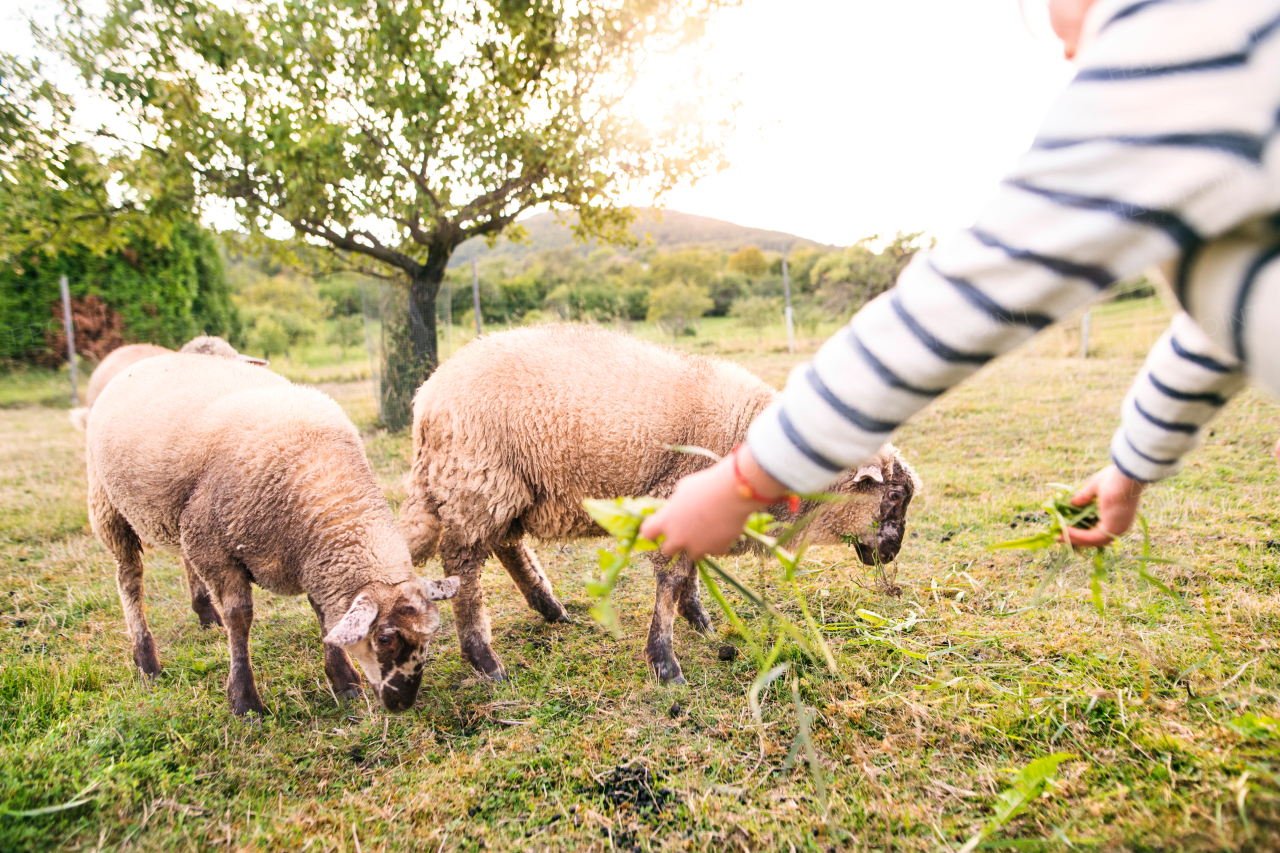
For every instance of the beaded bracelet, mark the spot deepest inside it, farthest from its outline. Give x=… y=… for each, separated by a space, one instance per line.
x=746 y=490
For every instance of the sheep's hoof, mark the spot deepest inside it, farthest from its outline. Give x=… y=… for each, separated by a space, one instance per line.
x=212 y=622
x=349 y=693
x=699 y=621
x=144 y=655
x=668 y=672
x=483 y=660
x=248 y=705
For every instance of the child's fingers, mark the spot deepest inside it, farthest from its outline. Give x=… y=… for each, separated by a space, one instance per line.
x=1088 y=492
x=1095 y=538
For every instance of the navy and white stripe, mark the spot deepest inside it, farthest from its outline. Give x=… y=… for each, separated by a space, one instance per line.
x=1187 y=378
x=1164 y=146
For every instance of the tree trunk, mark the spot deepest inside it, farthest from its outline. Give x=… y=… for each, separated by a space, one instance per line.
x=410 y=350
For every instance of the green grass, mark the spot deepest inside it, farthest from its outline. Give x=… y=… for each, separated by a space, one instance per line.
x=1169 y=706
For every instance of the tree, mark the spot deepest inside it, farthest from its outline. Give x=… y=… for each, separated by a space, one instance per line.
x=57 y=194
x=757 y=313
x=749 y=261
x=848 y=280
x=348 y=330
x=677 y=306
x=393 y=132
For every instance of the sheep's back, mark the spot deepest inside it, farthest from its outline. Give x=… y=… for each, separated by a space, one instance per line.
x=119 y=359
x=526 y=424
x=150 y=437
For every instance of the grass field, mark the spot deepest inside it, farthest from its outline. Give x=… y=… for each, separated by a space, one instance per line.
x=1170 y=707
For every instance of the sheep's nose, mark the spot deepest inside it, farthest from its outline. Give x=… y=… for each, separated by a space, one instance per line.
x=889 y=543
x=398 y=693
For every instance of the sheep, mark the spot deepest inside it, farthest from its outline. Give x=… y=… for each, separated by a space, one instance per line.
x=513 y=432
x=121 y=358
x=255 y=480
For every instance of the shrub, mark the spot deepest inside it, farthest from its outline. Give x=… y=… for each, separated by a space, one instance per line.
x=757 y=313
x=159 y=294
x=676 y=307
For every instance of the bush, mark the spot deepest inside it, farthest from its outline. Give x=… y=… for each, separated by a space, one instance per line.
x=757 y=313
x=676 y=307
x=347 y=331
x=163 y=295
x=635 y=303
x=725 y=290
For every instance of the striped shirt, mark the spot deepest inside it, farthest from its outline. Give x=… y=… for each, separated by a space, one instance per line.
x=1162 y=150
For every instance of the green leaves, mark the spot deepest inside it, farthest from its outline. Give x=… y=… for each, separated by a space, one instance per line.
x=1028 y=784
x=397 y=131
x=1062 y=515
x=622 y=519
x=1255 y=727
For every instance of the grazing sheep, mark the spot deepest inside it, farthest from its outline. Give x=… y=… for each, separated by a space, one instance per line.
x=513 y=432
x=121 y=359
x=256 y=480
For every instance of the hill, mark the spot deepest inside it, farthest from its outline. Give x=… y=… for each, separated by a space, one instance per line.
x=665 y=230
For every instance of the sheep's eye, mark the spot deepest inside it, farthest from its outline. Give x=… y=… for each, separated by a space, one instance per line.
x=386 y=640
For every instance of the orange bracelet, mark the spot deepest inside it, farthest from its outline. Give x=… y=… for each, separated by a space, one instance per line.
x=746 y=490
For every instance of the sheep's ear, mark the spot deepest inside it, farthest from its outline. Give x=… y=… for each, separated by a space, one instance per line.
x=355 y=625
x=870 y=471
x=439 y=590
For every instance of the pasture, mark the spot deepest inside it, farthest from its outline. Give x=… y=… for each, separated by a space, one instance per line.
x=957 y=670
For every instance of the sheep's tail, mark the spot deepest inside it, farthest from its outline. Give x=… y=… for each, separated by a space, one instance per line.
x=79 y=418
x=421 y=528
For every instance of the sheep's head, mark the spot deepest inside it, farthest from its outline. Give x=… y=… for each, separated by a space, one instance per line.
x=874 y=520
x=388 y=629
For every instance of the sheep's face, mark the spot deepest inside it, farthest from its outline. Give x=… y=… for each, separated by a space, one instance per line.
x=388 y=630
x=874 y=520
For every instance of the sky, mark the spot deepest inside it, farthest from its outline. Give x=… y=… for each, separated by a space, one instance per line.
x=873 y=116
x=857 y=117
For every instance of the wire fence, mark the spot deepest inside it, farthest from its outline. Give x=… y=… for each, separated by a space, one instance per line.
x=1116 y=328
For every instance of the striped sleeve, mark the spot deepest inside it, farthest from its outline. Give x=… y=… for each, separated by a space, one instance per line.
x=1162 y=142
x=1186 y=380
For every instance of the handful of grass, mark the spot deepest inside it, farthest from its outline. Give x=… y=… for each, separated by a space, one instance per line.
x=1062 y=515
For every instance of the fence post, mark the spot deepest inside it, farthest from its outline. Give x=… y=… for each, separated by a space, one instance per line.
x=71 y=338
x=475 y=296
x=786 y=289
x=1084 y=335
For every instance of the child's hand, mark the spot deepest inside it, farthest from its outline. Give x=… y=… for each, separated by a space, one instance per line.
x=1118 y=498
x=707 y=511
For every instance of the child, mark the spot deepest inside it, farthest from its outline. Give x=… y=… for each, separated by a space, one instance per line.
x=1163 y=150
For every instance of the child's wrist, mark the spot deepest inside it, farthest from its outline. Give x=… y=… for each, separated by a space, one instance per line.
x=753 y=482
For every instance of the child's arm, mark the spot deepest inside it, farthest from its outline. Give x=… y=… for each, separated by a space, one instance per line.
x=1149 y=153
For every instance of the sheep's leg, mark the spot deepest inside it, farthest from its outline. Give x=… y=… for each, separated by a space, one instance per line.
x=689 y=602
x=466 y=562
x=669 y=579
x=521 y=563
x=123 y=543
x=236 y=597
x=337 y=666
x=201 y=601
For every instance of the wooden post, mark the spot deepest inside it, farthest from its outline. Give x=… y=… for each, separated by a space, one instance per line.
x=1084 y=335
x=786 y=289
x=475 y=296
x=71 y=339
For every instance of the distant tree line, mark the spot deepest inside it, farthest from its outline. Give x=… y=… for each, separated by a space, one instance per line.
x=675 y=289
